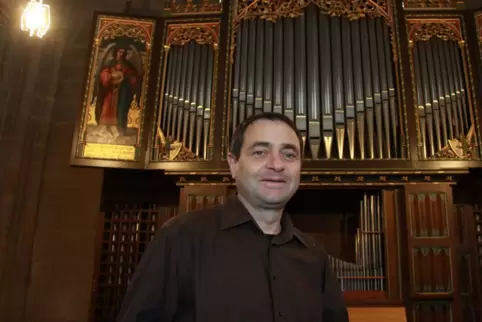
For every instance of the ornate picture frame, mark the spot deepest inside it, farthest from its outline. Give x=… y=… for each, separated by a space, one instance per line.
x=110 y=128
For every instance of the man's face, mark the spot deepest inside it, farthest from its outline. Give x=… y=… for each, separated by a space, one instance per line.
x=267 y=172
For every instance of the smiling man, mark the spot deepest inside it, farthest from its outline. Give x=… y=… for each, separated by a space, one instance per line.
x=243 y=260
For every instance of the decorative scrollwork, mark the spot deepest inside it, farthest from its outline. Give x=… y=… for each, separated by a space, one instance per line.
x=445 y=29
x=459 y=149
x=139 y=31
x=202 y=33
x=431 y=3
x=273 y=10
x=177 y=8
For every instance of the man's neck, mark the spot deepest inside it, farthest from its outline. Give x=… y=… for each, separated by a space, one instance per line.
x=268 y=220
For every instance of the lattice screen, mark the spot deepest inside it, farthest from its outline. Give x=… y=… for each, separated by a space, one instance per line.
x=125 y=233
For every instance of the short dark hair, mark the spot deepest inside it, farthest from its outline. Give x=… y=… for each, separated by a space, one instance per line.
x=238 y=136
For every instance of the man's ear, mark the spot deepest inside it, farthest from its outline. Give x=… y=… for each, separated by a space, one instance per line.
x=233 y=164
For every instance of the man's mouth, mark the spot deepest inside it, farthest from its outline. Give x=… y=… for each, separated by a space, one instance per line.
x=274 y=180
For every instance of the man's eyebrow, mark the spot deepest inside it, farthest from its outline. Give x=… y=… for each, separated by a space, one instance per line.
x=259 y=144
x=290 y=146
x=267 y=144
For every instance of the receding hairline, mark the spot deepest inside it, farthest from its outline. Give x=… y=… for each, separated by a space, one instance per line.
x=298 y=145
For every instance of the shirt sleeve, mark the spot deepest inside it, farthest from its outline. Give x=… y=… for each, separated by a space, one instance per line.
x=153 y=292
x=334 y=308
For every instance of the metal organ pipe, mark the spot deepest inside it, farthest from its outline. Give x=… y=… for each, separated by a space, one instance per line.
x=188 y=95
x=333 y=76
x=367 y=272
x=444 y=113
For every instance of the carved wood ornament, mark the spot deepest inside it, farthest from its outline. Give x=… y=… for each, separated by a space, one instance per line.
x=432 y=4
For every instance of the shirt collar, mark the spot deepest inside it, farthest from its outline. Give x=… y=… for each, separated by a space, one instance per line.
x=235 y=214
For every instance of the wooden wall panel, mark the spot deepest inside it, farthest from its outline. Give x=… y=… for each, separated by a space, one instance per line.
x=432 y=253
x=370 y=314
x=199 y=197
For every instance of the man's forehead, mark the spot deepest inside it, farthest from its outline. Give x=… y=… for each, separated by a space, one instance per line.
x=273 y=133
x=270 y=126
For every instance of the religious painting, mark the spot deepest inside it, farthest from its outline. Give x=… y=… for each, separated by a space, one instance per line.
x=116 y=90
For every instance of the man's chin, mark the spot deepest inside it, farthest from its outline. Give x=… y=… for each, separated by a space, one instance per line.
x=274 y=201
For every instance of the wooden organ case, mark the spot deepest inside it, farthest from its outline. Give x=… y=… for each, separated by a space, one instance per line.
x=387 y=95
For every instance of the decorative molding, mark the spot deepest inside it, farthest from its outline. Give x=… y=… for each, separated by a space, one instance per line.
x=460 y=149
x=173 y=7
x=422 y=29
x=273 y=10
x=327 y=178
x=202 y=33
x=432 y=4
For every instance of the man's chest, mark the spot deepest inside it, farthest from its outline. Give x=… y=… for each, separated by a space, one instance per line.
x=255 y=280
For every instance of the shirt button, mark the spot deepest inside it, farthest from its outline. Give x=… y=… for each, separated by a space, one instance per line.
x=275 y=278
x=280 y=314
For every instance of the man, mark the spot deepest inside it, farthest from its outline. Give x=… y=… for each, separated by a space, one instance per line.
x=242 y=261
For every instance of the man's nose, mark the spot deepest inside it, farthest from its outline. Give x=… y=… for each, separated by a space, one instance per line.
x=275 y=162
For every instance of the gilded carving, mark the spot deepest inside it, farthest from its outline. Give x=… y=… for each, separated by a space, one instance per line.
x=383 y=178
x=431 y=3
x=202 y=33
x=272 y=10
x=424 y=29
x=459 y=149
x=174 y=150
x=177 y=7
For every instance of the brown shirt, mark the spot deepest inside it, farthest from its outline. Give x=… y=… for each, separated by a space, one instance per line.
x=216 y=265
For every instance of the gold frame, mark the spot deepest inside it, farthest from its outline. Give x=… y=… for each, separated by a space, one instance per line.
x=144 y=30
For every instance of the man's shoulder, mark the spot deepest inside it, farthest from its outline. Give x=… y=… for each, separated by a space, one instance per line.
x=197 y=219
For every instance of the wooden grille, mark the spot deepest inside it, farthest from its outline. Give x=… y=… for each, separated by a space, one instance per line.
x=125 y=233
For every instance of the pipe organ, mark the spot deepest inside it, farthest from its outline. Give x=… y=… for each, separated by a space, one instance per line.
x=184 y=118
x=444 y=103
x=314 y=68
x=367 y=271
x=385 y=93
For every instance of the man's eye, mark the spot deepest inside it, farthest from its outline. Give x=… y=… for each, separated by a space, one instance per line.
x=258 y=153
x=290 y=156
